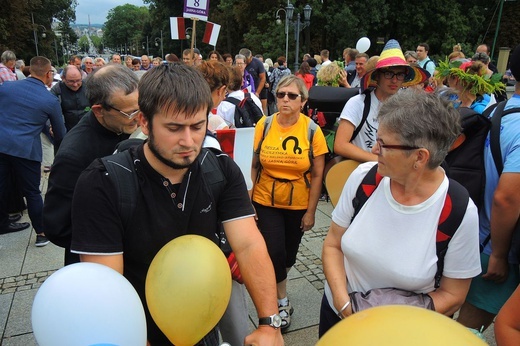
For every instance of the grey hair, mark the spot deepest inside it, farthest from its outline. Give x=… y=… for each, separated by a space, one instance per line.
x=8 y=55
x=292 y=79
x=19 y=64
x=245 y=52
x=106 y=80
x=240 y=56
x=422 y=119
x=87 y=58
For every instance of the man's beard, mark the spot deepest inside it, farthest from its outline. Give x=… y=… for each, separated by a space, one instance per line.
x=155 y=151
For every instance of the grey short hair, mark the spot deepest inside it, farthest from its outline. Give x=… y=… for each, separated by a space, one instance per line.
x=106 y=80
x=245 y=52
x=292 y=79
x=19 y=64
x=422 y=119
x=240 y=56
x=8 y=55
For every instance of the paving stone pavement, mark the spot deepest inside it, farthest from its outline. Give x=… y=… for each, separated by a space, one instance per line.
x=25 y=267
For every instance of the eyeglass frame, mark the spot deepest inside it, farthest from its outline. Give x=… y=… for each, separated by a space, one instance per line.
x=394 y=146
x=128 y=116
x=291 y=96
x=387 y=73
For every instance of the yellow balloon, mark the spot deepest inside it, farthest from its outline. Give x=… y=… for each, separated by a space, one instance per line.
x=399 y=325
x=188 y=287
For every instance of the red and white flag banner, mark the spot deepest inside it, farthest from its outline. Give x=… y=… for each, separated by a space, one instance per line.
x=211 y=33
x=177 y=28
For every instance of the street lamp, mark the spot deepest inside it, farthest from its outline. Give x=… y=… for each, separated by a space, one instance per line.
x=35 y=32
x=298 y=27
x=157 y=44
x=279 y=21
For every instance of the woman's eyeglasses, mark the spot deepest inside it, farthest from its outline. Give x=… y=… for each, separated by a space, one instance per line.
x=291 y=96
x=381 y=145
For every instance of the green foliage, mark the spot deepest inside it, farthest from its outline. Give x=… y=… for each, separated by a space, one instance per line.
x=125 y=24
x=17 y=30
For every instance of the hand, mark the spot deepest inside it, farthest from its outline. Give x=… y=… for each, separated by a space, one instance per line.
x=307 y=222
x=257 y=94
x=50 y=131
x=265 y=335
x=498 y=269
x=343 y=79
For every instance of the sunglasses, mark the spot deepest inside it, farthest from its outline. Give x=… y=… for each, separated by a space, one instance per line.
x=291 y=96
x=128 y=115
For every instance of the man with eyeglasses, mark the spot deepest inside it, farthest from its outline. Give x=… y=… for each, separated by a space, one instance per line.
x=356 y=134
x=112 y=94
x=26 y=106
x=71 y=93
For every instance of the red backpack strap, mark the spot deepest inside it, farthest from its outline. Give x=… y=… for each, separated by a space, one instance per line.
x=365 y=189
x=452 y=213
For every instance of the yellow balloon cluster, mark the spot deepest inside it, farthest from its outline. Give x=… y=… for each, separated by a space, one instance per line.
x=399 y=325
x=188 y=287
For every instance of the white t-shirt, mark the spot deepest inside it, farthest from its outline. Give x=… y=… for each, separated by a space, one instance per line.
x=353 y=112
x=392 y=245
x=226 y=110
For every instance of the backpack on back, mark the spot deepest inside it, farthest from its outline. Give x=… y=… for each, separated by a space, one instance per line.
x=451 y=216
x=466 y=158
x=247 y=113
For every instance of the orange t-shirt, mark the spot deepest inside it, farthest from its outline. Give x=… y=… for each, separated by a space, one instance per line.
x=284 y=157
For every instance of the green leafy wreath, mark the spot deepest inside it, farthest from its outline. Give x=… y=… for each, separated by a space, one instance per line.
x=477 y=85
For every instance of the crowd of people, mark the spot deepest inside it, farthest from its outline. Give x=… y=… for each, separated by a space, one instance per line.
x=400 y=126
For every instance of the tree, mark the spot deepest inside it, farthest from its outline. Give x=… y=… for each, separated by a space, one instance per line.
x=125 y=25
x=17 y=28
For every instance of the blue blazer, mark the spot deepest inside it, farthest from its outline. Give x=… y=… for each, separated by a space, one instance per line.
x=25 y=107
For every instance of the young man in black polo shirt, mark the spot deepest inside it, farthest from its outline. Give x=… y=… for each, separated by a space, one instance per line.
x=173 y=199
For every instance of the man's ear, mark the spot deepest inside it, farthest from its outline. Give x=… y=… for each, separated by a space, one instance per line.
x=96 y=109
x=143 y=122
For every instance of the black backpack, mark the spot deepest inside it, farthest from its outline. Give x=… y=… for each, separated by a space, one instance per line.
x=451 y=216
x=247 y=112
x=465 y=162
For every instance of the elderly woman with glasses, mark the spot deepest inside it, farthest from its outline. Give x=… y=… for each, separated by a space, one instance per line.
x=287 y=171
x=392 y=240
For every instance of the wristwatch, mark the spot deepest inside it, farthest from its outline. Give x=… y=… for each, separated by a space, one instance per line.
x=274 y=321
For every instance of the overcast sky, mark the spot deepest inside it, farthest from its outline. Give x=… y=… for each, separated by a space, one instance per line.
x=98 y=9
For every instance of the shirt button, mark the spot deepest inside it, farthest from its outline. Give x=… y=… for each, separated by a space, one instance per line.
x=173 y=195
x=179 y=205
x=165 y=183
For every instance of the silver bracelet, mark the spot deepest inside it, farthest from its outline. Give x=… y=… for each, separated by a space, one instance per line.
x=340 y=313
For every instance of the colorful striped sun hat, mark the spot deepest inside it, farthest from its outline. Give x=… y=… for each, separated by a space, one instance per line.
x=392 y=55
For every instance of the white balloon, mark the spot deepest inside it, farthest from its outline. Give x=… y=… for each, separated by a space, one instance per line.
x=363 y=44
x=88 y=304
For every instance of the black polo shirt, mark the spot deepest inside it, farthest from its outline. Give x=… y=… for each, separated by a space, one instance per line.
x=164 y=211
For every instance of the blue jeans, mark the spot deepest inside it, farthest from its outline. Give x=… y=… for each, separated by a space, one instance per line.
x=28 y=173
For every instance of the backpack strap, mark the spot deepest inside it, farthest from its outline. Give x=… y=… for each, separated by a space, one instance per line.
x=310 y=136
x=120 y=168
x=211 y=170
x=494 y=134
x=452 y=213
x=451 y=216
x=367 y=187
x=366 y=110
